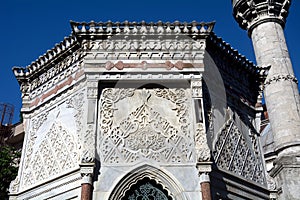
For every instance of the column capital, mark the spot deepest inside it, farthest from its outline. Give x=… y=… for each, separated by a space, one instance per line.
x=249 y=14
x=204 y=167
x=87 y=172
x=204 y=178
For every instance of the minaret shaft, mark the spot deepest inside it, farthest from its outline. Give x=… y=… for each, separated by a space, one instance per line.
x=281 y=90
x=264 y=20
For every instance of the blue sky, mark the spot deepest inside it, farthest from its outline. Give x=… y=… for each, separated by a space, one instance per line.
x=30 y=27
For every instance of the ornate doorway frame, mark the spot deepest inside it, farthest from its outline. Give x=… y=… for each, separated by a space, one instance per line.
x=160 y=177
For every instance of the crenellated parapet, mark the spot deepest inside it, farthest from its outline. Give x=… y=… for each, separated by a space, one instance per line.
x=251 y=13
x=109 y=28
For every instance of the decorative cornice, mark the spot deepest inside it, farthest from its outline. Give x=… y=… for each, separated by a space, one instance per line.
x=48 y=58
x=239 y=60
x=141 y=28
x=249 y=13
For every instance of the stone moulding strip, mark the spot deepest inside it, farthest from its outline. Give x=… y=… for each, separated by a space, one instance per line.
x=144 y=65
x=123 y=77
x=57 y=89
x=41 y=185
x=279 y=78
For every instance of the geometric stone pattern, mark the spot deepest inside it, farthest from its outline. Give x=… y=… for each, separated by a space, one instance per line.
x=234 y=153
x=57 y=153
x=146 y=131
x=53 y=142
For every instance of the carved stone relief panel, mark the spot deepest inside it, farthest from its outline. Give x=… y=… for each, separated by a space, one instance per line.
x=237 y=152
x=53 y=143
x=145 y=124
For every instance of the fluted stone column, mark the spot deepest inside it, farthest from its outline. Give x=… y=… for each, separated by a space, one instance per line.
x=265 y=21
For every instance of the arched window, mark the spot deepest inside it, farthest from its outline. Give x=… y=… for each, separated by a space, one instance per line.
x=146 y=189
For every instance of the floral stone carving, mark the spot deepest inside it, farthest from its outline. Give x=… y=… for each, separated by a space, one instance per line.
x=146 y=132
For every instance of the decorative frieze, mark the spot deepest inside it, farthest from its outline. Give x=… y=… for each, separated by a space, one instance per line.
x=144 y=65
x=120 y=48
x=59 y=50
x=145 y=43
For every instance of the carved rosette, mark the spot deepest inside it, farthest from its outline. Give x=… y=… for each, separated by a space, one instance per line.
x=146 y=133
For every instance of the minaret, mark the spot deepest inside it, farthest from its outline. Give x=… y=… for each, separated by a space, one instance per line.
x=265 y=20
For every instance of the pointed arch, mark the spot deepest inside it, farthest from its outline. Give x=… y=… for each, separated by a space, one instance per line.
x=161 y=178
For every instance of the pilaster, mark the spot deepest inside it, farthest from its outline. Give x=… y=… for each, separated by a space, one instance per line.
x=89 y=145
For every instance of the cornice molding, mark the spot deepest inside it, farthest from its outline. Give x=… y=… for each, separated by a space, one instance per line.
x=239 y=60
x=62 y=49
